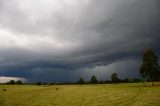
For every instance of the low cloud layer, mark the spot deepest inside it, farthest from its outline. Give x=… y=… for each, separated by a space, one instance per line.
x=4 y=79
x=52 y=40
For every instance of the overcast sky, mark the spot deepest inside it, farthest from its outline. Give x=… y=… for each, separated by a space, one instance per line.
x=62 y=40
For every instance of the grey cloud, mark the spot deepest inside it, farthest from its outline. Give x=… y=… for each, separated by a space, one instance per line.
x=104 y=72
x=63 y=38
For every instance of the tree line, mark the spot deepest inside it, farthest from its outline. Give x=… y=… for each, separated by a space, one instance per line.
x=114 y=79
x=149 y=70
x=13 y=82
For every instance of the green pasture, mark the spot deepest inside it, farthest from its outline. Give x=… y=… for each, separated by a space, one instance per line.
x=80 y=95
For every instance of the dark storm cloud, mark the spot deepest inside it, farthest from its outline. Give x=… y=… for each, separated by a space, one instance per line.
x=62 y=40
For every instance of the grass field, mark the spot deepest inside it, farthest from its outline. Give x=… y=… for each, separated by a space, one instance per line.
x=80 y=95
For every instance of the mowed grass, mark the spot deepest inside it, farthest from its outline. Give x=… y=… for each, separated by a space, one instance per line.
x=80 y=95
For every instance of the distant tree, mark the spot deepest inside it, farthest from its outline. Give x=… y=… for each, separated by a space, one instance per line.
x=81 y=81
x=39 y=83
x=150 y=68
x=107 y=82
x=134 y=80
x=44 y=83
x=19 y=82
x=12 y=82
x=114 y=78
x=94 y=80
x=52 y=83
x=101 y=82
x=126 y=80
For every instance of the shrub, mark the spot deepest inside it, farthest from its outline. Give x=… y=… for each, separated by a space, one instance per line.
x=39 y=83
x=4 y=89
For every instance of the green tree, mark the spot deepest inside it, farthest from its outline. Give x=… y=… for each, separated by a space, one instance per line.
x=12 y=82
x=114 y=78
x=19 y=82
x=81 y=81
x=94 y=80
x=149 y=69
